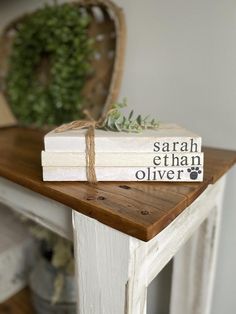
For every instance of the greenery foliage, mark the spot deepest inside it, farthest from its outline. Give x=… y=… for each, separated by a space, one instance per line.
x=116 y=121
x=49 y=65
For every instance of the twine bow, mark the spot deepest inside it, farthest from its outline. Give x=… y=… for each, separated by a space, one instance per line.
x=90 y=124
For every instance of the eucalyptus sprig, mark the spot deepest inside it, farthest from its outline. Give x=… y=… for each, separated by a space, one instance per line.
x=115 y=121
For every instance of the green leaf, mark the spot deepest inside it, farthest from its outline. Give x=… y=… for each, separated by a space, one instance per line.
x=131 y=115
x=117 y=122
x=139 y=119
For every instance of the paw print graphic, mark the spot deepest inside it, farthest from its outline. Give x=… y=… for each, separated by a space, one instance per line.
x=194 y=172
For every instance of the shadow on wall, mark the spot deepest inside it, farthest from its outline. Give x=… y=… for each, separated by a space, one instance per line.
x=159 y=291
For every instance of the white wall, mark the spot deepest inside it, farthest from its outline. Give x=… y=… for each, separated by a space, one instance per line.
x=181 y=67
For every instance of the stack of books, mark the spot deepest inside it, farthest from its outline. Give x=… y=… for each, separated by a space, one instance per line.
x=170 y=153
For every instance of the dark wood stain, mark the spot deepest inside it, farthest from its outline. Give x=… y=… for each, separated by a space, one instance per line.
x=18 y=304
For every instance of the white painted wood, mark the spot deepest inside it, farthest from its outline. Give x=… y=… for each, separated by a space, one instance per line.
x=17 y=252
x=194 y=265
x=68 y=159
x=108 y=260
x=123 y=174
x=47 y=212
x=74 y=140
x=105 y=262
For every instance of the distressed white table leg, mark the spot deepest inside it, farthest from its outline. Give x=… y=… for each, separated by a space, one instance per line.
x=194 y=265
x=114 y=269
x=105 y=266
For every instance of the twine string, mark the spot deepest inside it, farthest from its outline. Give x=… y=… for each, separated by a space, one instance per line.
x=90 y=155
x=90 y=124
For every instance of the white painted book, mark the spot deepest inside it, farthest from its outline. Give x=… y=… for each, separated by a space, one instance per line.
x=167 y=138
x=125 y=174
x=72 y=159
x=169 y=153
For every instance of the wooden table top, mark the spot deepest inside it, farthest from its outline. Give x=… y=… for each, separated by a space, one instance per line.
x=20 y=303
x=139 y=209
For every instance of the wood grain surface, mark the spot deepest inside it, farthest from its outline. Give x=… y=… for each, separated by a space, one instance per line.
x=18 y=304
x=139 y=209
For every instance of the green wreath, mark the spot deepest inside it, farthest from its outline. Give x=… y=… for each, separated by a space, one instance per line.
x=49 y=64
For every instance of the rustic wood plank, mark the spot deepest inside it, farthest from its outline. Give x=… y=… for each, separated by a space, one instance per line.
x=138 y=209
x=18 y=304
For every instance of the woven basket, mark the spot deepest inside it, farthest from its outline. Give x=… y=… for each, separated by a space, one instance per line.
x=107 y=27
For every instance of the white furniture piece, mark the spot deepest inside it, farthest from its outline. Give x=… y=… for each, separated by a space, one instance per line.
x=124 y=234
x=16 y=245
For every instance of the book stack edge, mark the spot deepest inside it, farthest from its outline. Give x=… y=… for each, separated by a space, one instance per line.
x=170 y=153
